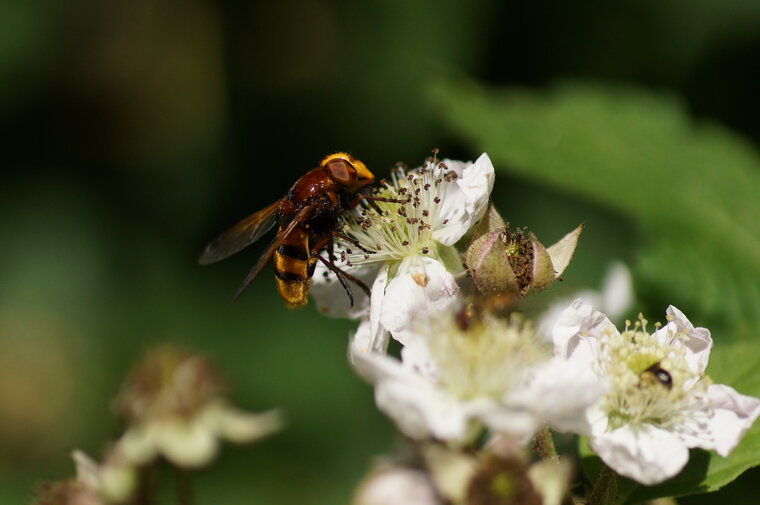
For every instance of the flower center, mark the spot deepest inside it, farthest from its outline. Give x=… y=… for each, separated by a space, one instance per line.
x=390 y=231
x=651 y=380
x=486 y=359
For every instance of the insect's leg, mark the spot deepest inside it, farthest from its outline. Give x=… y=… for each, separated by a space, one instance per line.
x=342 y=277
x=381 y=199
x=352 y=242
x=356 y=281
x=348 y=276
x=359 y=198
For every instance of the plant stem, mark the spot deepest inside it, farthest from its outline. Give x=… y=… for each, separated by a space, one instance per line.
x=543 y=444
x=184 y=487
x=146 y=486
x=606 y=489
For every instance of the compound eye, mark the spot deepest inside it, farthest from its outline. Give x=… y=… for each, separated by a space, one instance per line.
x=342 y=172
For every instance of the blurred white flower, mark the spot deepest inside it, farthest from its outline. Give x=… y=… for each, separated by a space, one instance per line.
x=396 y=485
x=453 y=380
x=407 y=249
x=615 y=298
x=659 y=402
x=175 y=408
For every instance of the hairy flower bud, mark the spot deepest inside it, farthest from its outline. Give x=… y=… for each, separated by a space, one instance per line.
x=502 y=261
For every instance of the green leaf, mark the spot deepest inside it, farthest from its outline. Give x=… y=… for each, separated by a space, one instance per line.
x=735 y=364
x=691 y=188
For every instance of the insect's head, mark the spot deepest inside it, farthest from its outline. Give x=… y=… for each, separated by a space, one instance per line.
x=347 y=171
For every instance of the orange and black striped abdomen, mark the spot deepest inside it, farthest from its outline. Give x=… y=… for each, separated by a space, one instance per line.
x=294 y=266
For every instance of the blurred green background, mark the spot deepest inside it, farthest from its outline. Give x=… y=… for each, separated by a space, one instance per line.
x=134 y=132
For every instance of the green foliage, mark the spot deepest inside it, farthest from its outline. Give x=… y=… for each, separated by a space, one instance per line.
x=735 y=364
x=690 y=188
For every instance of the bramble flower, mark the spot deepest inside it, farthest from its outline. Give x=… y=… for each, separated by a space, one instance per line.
x=407 y=245
x=174 y=405
x=659 y=403
x=454 y=379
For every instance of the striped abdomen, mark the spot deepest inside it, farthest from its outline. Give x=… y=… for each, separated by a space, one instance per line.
x=294 y=267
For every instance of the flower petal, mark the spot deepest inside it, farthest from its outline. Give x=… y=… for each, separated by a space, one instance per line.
x=576 y=330
x=617 y=291
x=477 y=183
x=466 y=200
x=394 y=486
x=331 y=298
x=517 y=424
x=137 y=445
x=647 y=454
x=242 y=427
x=733 y=414
x=421 y=286
x=551 y=404
x=374 y=366
x=189 y=444
x=421 y=412
x=416 y=356
x=378 y=335
x=698 y=343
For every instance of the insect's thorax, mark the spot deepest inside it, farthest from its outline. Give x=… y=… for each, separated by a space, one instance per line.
x=326 y=199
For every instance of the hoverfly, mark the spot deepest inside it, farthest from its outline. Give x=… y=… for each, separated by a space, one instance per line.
x=308 y=222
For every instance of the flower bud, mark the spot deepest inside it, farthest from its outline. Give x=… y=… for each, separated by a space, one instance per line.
x=502 y=261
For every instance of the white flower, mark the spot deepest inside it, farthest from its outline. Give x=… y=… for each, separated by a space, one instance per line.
x=174 y=405
x=452 y=381
x=192 y=441
x=659 y=402
x=407 y=248
x=396 y=485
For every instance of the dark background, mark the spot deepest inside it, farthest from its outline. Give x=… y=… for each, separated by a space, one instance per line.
x=134 y=132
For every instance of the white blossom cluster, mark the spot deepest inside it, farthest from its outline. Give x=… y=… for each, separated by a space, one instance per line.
x=641 y=397
x=473 y=383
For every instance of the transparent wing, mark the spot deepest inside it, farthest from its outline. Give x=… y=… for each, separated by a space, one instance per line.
x=271 y=248
x=243 y=234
